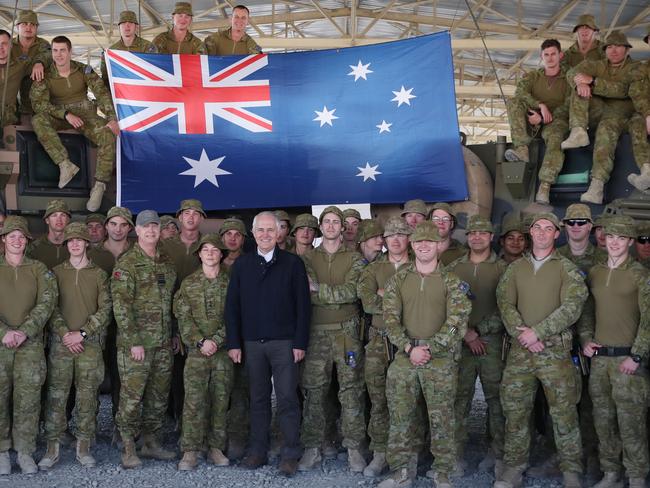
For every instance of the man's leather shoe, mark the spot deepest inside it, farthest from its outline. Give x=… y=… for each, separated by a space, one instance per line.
x=288 y=467
x=253 y=461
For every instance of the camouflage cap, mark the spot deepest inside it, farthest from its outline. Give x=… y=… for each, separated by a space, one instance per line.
x=213 y=239
x=331 y=209
x=147 y=217
x=191 y=204
x=282 y=215
x=27 y=17
x=551 y=217
x=95 y=217
x=369 y=228
x=415 y=206
x=15 y=222
x=166 y=220
x=577 y=211
x=123 y=212
x=397 y=225
x=232 y=224
x=511 y=222
x=76 y=230
x=306 y=220
x=183 y=8
x=425 y=231
x=478 y=223
x=128 y=16
x=443 y=206
x=616 y=38
x=588 y=20
x=56 y=206
x=643 y=229
x=351 y=212
x=526 y=222
x=621 y=225
x=601 y=219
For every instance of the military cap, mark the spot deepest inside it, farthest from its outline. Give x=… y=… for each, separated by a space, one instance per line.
x=577 y=211
x=128 y=16
x=621 y=225
x=232 y=224
x=443 y=206
x=511 y=222
x=123 y=212
x=282 y=215
x=369 y=228
x=351 y=212
x=192 y=204
x=76 y=230
x=95 y=217
x=183 y=8
x=478 y=223
x=601 y=219
x=147 y=217
x=165 y=220
x=616 y=38
x=551 y=217
x=645 y=39
x=27 y=17
x=643 y=229
x=415 y=206
x=306 y=220
x=397 y=225
x=425 y=231
x=588 y=20
x=213 y=239
x=15 y=222
x=56 y=206
x=331 y=209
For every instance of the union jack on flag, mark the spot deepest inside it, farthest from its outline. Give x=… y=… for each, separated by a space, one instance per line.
x=150 y=89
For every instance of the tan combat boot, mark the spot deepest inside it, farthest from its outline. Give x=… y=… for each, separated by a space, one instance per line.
x=641 y=182
x=376 y=466
x=637 y=483
x=26 y=463
x=67 y=170
x=571 y=480
x=189 y=462
x=5 y=463
x=519 y=153
x=356 y=461
x=610 y=480
x=96 y=194
x=310 y=459
x=51 y=457
x=152 y=449
x=399 y=479
x=543 y=192
x=595 y=192
x=577 y=138
x=83 y=454
x=217 y=457
x=130 y=459
x=512 y=477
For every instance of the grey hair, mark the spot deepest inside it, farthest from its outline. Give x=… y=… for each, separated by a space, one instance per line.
x=266 y=213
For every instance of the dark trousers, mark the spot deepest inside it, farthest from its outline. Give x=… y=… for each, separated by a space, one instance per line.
x=265 y=360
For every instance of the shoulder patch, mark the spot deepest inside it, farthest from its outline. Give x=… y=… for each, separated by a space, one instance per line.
x=151 y=49
x=117 y=275
x=50 y=274
x=464 y=287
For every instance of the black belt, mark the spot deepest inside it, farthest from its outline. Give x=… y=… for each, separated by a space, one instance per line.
x=613 y=351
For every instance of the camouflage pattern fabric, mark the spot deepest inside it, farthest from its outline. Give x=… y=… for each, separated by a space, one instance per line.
x=39 y=52
x=166 y=43
x=221 y=43
x=139 y=45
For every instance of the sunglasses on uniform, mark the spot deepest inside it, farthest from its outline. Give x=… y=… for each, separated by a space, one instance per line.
x=643 y=239
x=578 y=222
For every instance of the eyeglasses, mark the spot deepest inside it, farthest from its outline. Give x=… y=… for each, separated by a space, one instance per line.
x=578 y=222
x=435 y=218
x=643 y=239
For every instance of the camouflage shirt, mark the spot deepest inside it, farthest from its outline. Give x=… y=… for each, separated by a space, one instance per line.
x=554 y=92
x=47 y=253
x=139 y=45
x=573 y=56
x=455 y=250
x=39 y=52
x=221 y=43
x=586 y=260
x=185 y=258
x=640 y=90
x=166 y=43
x=16 y=71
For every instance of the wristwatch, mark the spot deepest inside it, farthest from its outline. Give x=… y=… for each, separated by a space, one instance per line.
x=83 y=333
x=199 y=344
x=636 y=358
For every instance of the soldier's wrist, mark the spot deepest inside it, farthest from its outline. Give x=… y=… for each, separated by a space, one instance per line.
x=408 y=349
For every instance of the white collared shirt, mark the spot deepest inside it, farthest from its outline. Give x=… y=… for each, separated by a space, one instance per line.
x=268 y=256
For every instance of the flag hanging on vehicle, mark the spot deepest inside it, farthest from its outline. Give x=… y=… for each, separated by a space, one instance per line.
x=364 y=124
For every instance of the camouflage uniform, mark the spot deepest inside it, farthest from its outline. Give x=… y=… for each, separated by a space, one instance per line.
x=48 y=253
x=221 y=43
x=640 y=94
x=455 y=250
x=199 y=305
x=573 y=56
x=16 y=71
x=39 y=52
x=55 y=96
x=166 y=44
x=142 y=289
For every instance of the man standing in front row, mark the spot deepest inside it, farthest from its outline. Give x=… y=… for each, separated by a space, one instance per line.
x=540 y=296
x=268 y=312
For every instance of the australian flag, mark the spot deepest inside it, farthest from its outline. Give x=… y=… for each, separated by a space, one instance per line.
x=373 y=124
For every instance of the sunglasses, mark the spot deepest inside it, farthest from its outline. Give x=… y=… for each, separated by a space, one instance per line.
x=578 y=222
x=643 y=239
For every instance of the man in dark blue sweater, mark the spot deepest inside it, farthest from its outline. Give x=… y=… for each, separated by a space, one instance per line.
x=268 y=312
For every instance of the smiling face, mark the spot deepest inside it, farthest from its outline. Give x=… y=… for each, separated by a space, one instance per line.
x=616 y=54
x=182 y=22
x=97 y=232
x=425 y=251
x=478 y=241
x=118 y=228
x=15 y=243
x=266 y=233
x=76 y=247
x=239 y=20
x=514 y=243
x=543 y=233
x=149 y=234
x=617 y=246
x=61 y=54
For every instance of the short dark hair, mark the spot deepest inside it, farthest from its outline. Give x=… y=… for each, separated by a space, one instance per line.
x=241 y=7
x=5 y=33
x=551 y=43
x=62 y=40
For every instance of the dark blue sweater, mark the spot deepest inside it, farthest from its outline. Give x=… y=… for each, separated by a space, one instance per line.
x=268 y=301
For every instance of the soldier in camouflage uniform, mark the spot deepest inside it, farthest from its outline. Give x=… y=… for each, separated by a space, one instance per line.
x=481 y=356
x=96 y=230
x=233 y=234
x=179 y=39
x=29 y=294
x=426 y=310
x=587 y=46
x=415 y=211
x=61 y=102
x=445 y=219
x=639 y=125
x=615 y=333
x=142 y=285
x=379 y=351
x=49 y=248
x=77 y=331
x=370 y=238
x=234 y=39
x=199 y=306
x=333 y=273
x=601 y=99
x=642 y=244
x=541 y=101
x=351 y=221
x=12 y=72
x=168 y=227
x=284 y=241
x=304 y=231
x=513 y=238
x=540 y=296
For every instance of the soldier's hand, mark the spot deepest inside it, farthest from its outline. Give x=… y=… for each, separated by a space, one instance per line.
x=534 y=118
x=536 y=347
x=114 y=127
x=477 y=347
x=583 y=90
x=209 y=347
x=313 y=286
x=547 y=116
x=583 y=78
x=72 y=339
x=420 y=355
x=298 y=355
x=647 y=124
x=380 y=292
x=76 y=348
x=471 y=335
x=19 y=337
x=235 y=355
x=137 y=353
x=38 y=72
x=74 y=121
x=628 y=366
x=9 y=339
x=590 y=349
x=527 y=336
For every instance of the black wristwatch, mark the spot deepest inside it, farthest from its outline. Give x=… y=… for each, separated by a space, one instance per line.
x=199 y=344
x=636 y=358
x=83 y=333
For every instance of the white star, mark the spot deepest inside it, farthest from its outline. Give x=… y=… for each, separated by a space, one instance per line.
x=369 y=172
x=204 y=169
x=403 y=96
x=325 y=117
x=360 y=71
x=384 y=126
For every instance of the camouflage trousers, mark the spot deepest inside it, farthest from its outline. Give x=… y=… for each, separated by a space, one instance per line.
x=94 y=129
x=238 y=414
x=553 y=135
x=620 y=408
x=85 y=371
x=144 y=391
x=489 y=368
x=208 y=381
x=326 y=352
x=375 y=369
x=638 y=131
x=22 y=373
x=610 y=124
x=436 y=381
x=554 y=369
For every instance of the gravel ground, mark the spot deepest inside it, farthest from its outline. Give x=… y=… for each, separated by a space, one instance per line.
x=68 y=474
